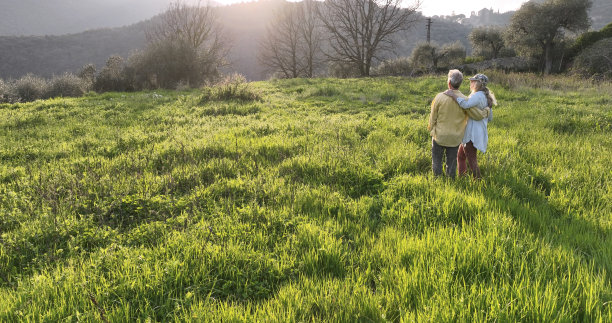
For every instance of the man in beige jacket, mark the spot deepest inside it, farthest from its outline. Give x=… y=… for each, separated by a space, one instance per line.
x=447 y=123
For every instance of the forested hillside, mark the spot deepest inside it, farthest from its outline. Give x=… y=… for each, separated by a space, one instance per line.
x=51 y=55
x=58 y=17
x=245 y=24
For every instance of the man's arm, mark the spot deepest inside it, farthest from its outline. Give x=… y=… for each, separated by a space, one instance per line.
x=433 y=115
x=477 y=113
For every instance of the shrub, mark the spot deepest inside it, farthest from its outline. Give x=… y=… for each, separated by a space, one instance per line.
x=112 y=77
x=343 y=70
x=233 y=87
x=507 y=52
x=521 y=81
x=452 y=55
x=67 y=85
x=433 y=57
x=6 y=92
x=596 y=60
x=88 y=74
x=138 y=72
x=473 y=59
x=170 y=64
x=394 y=67
x=508 y=64
x=186 y=45
x=30 y=88
x=588 y=39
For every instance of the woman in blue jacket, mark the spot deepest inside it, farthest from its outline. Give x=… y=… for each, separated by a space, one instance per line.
x=476 y=136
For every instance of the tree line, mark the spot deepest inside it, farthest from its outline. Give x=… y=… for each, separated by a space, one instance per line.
x=360 y=32
x=187 y=47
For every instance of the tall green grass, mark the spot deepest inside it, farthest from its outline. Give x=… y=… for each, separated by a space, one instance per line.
x=315 y=202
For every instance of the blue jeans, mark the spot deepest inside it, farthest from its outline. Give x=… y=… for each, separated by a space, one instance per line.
x=437 y=154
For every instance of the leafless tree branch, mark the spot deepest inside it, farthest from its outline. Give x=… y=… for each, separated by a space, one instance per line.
x=361 y=29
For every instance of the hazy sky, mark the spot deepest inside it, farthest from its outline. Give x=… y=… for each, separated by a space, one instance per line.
x=447 y=7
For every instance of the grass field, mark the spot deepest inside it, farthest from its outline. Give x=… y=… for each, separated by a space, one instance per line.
x=314 y=203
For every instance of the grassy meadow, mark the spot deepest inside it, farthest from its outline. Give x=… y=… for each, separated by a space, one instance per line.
x=315 y=202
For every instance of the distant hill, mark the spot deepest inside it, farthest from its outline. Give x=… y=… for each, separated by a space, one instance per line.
x=52 y=55
x=245 y=24
x=58 y=17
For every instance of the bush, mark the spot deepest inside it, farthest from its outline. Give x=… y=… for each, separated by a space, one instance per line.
x=30 y=88
x=507 y=52
x=233 y=87
x=507 y=64
x=473 y=59
x=343 y=70
x=588 y=39
x=522 y=81
x=170 y=64
x=430 y=57
x=138 y=72
x=112 y=77
x=88 y=74
x=452 y=55
x=595 y=61
x=6 y=92
x=394 y=67
x=67 y=85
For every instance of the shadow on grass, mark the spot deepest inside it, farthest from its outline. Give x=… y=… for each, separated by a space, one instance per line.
x=530 y=208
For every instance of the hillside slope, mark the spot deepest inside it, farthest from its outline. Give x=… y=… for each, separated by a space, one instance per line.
x=58 y=17
x=245 y=25
x=53 y=55
x=314 y=203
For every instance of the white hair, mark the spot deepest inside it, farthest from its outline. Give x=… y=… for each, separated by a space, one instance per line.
x=455 y=77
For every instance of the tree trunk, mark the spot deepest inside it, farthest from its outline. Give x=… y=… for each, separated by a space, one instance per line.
x=548 y=58
x=367 y=68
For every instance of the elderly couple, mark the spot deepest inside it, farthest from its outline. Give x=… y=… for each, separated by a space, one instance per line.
x=458 y=125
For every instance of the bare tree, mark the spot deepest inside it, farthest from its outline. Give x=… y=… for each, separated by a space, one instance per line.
x=195 y=25
x=311 y=34
x=361 y=29
x=292 y=43
x=193 y=32
x=280 y=49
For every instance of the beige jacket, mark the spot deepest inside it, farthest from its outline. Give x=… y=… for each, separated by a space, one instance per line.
x=447 y=119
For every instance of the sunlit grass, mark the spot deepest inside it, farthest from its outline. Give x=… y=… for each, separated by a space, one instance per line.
x=314 y=202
